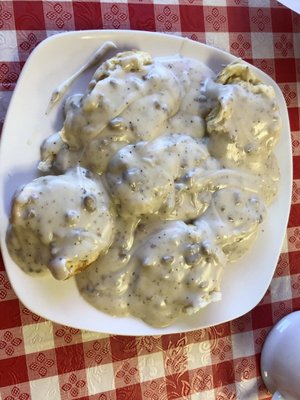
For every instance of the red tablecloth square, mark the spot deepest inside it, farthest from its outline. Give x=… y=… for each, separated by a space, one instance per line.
x=192 y=18
x=87 y=15
x=294 y=219
x=294 y=261
x=262 y=316
x=13 y=370
x=238 y=19
x=281 y=20
x=223 y=373
x=10 y=314
x=295 y=126
x=285 y=70
x=142 y=16
x=123 y=347
x=29 y=15
x=296 y=167
x=69 y=357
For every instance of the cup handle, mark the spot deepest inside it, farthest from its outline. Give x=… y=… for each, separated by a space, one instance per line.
x=277 y=396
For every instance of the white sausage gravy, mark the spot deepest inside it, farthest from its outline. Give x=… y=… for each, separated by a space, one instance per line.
x=160 y=176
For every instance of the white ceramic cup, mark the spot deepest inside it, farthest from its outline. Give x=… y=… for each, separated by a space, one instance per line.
x=280 y=359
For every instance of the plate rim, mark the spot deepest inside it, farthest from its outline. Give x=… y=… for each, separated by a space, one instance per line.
x=115 y=34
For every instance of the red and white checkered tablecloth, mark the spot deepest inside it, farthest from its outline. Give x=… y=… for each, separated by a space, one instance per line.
x=41 y=360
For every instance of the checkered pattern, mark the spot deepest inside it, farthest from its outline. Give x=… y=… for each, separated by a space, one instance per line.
x=43 y=360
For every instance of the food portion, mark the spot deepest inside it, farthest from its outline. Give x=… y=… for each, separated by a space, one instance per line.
x=172 y=268
x=143 y=178
x=233 y=215
x=60 y=222
x=245 y=125
x=159 y=177
x=181 y=276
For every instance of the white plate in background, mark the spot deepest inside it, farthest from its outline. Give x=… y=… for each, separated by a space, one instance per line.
x=26 y=126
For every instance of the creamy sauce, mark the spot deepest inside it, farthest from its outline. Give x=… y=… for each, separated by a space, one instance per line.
x=179 y=167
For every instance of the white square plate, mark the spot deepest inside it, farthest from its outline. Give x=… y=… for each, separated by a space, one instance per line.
x=26 y=125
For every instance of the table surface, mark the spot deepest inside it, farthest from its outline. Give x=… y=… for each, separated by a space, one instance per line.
x=43 y=360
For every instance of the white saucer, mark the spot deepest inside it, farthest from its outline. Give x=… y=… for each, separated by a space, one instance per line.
x=280 y=358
